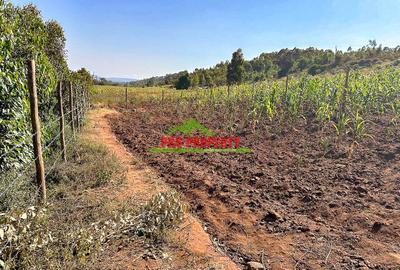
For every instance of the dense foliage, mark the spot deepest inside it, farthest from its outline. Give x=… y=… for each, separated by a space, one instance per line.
x=24 y=35
x=311 y=61
x=183 y=82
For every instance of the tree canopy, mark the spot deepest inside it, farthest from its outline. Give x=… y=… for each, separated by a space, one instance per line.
x=183 y=81
x=281 y=63
x=235 y=68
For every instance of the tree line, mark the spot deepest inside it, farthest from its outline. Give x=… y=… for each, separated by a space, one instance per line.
x=311 y=61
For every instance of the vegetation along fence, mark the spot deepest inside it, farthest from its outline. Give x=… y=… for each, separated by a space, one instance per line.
x=53 y=122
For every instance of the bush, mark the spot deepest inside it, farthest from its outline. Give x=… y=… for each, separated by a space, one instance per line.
x=183 y=82
x=17 y=27
x=317 y=69
x=24 y=36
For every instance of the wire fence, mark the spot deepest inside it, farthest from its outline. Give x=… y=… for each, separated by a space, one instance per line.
x=23 y=179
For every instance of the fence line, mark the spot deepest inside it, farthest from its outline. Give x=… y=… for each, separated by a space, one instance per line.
x=23 y=173
x=78 y=105
x=59 y=155
x=29 y=165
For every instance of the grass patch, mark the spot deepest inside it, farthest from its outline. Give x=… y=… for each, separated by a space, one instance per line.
x=82 y=219
x=107 y=94
x=89 y=166
x=62 y=234
x=17 y=189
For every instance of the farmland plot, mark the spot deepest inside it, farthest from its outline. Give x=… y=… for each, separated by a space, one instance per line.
x=311 y=194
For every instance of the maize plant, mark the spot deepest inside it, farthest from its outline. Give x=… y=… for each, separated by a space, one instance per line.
x=359 y=130
x=327 y=99
x=341 y=125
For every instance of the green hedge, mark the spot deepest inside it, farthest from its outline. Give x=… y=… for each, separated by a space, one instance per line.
x=23 y=36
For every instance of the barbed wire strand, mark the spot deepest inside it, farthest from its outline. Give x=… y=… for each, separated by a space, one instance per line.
x=16 y=146
x=30 y=135
x=51 y=169
x=55 y=138
x=29 y=165
x=59 y=155
x=58 y=118
x=19 y=176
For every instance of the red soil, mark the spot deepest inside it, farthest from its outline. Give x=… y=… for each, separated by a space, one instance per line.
x=286 y=203
x=190 y=247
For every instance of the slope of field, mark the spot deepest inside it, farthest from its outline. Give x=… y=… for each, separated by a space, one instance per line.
x=297 y=201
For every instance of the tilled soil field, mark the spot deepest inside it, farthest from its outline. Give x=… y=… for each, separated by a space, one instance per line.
x=303 y=199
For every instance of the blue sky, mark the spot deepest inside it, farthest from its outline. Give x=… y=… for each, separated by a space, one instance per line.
x=138 y=39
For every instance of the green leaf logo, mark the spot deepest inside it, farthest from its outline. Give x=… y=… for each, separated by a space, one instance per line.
x=189 y=127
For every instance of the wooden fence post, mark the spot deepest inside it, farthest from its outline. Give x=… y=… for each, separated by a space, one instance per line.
x=80 y=102
x=37 y=147
x=86 y=99
x=162 y=97
x=126 y=97
x=61 y=113
x=71 y=107
x=76 y=98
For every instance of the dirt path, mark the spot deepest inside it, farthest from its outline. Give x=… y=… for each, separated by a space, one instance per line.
x=192 y=247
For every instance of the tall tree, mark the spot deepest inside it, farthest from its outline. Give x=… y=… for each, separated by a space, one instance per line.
x=183 y=81
x=285 y=62
x=235 y=68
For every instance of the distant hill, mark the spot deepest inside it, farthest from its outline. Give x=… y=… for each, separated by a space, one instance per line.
x=112 y=80
x=120 y=80
x=278 y=64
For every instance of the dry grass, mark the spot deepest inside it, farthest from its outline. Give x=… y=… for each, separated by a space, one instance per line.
x=82 y=219
x=107 y=94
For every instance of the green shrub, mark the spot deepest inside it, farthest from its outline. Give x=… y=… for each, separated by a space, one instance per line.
x=183 y=82
x=22 y=36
